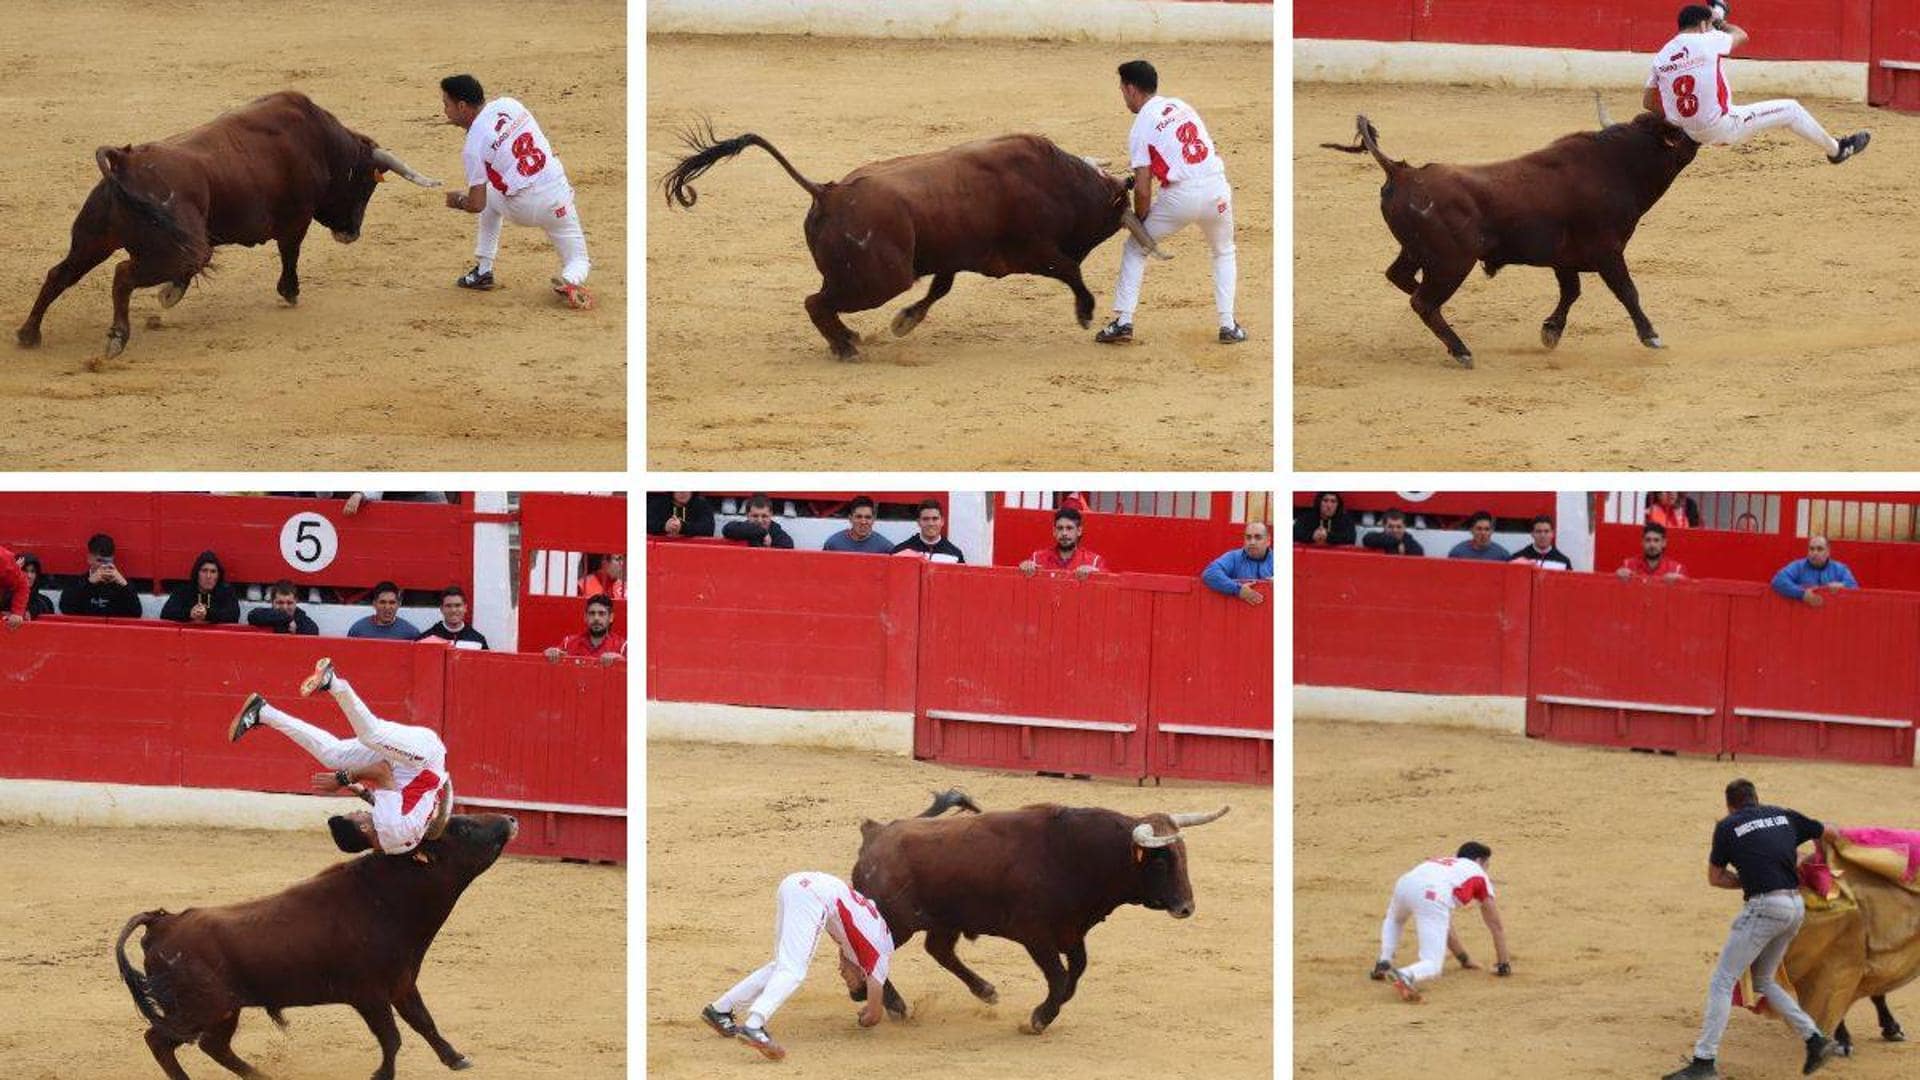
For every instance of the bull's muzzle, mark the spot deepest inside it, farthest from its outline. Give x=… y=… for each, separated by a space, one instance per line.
x=344 y=236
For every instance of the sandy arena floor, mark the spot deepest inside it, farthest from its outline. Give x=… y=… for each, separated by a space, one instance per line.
x=1599 y=857
x=1781 y=286
x=384 y=364
x=528 y=977
x=1000 y=376
x=725 y=824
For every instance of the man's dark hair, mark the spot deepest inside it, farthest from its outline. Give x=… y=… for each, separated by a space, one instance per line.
x=600 y=599
x=929 y=504
x=464 y=88
x=283 y=587
x=386 y=587
x=1140 y=75
x=1397 y=514
x=1741 y=793
x=30 y=561
x=758 y=501
x=1474 y=849
x=858 y=502
x=1478 y=517
x=1653 y=527
x=1540 y=519
x=452 y=590
x=100 y=544
x=1067 y=512
x=1694 y=15
x=346 y=836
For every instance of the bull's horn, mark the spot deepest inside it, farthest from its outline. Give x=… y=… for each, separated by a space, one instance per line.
x=1139 y=234
x=385 y=159
x=1143 y=835
x=1188 y=821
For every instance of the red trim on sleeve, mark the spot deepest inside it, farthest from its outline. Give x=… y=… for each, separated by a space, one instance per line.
x=1720 y=77
x=1474 y=888
x=864 y=953
x=418 y=786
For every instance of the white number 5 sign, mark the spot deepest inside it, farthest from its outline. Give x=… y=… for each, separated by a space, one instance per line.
x=308 y=542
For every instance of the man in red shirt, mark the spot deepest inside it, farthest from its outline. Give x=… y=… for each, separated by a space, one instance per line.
x=1066 y=555
x=14 y=581
x=599 y=640
x=1652 y=561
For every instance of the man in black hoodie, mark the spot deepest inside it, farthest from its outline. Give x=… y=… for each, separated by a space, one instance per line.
x=103 y=591
x=284 y=616
x=679 y=513
x=205 y=597
x=1324 y=524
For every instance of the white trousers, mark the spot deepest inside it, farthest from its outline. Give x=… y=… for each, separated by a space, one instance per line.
x=798 y=917
x=410 y=750
x=1207 y=203
x=550 y=208
x=1431 y=918
x=1743 y=122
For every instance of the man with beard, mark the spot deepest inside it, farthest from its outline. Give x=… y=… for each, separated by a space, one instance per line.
x=1325 y=524
x=1652 y=562
x=1066 y=555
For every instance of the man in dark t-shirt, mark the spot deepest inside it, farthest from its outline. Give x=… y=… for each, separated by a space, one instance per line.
x=1758 y=842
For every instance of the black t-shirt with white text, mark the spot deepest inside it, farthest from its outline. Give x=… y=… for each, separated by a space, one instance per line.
x=1759 y=841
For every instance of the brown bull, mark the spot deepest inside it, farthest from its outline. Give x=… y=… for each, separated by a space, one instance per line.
x=1865 y=946
x=1042 y=876
x=1571 y=206
x=265 y=171
x=353 y=934
x=1016 y=204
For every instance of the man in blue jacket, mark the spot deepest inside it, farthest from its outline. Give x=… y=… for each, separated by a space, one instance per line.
x=1802 y=579
x=1230 y=574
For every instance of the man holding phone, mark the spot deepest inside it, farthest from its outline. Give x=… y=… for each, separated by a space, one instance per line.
x=104 y=591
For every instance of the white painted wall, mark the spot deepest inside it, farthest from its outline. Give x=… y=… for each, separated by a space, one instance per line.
x=1493 y=713
x=1120 y=21
x=686 y=721
x=492 y=609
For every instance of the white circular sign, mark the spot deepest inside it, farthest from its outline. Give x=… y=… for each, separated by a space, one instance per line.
x=308 y=542
x=1416 y=496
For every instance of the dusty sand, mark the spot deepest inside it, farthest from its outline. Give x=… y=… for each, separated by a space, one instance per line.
x=1781 y=285
x=1599 y=859
x=1000 y=376
x=384 y=364
x=725 y=824
x=528 y=977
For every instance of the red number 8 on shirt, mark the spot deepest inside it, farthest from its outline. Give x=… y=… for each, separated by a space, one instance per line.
x=530 y=159
x=1191 y=148
x=1684 y=98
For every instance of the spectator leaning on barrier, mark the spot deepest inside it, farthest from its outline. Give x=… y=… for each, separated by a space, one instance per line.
x=1326 y=522
x=679 y=513
x=15 y=588
x=205 y=597
x=1480 y=545
x=385 y=622
x=1541 y=552
x=609 y=579
x=859 y=535
x=1392 y=539
x=1802 y=579
x=104 y=591
x=759 y=530
x=1652 y=561
x=283 y=615
x=1066 y=555
x=1232 y=574
x=929 y=541
x=29 y=565
x=597 y=640
x=452 y=626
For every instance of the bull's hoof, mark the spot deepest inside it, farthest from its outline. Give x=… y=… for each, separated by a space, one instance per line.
x=170 y=294
x=292 y=299
x=988 y=994
x=1550 y=334
x=846 y=351
x=1464 y=359
x=460 y=1063
x=1652 y=341
x=28 y=338
x=1893 y=1034
x=904 y=322
x=116 y=343
x=1032 y=1026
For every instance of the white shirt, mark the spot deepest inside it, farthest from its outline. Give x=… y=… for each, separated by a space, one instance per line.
x=506 y=149
x=1168 y=137
x=1453 y=881
x=854 y=923
x=1693 y=85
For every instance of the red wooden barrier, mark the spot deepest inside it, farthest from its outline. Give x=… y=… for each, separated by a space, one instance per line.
x=159 y=534
x=1893 y=61
x=149 y=703
x=1781 y=29
x=1637 y=664
x=1134 y=543
x=788 y=629
x=1437 y=626
x=1756 y=557
x=1210 y=699
x=1043 y=672
x=595 y=524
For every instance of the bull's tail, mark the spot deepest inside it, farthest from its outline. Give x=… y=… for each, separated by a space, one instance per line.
x=708 y=151
x=144 y=998
x=158 y=213
x=1367 y=140
x=944 y=801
